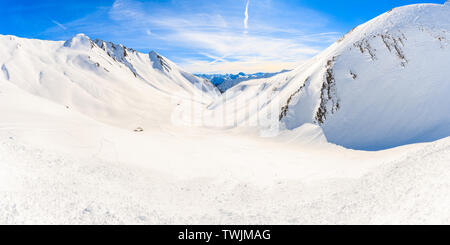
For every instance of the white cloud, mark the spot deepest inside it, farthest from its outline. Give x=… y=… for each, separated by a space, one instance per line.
x=231 y=45
x=243 y=53
x=228 y=51
x=248 y=66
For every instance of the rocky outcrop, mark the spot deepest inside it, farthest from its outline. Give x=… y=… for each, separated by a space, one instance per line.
x=329 y=101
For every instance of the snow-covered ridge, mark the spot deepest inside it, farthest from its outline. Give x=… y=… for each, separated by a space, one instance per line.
x=117 y=52
x=383 y=84
x=106 y=81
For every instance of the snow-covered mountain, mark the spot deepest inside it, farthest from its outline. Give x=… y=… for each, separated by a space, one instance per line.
x=105 y=81
x=383 y=84
x=86 y=134
x=226 y=81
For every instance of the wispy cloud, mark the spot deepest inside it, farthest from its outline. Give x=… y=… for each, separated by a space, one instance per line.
x=59 y=25
x=207 y=36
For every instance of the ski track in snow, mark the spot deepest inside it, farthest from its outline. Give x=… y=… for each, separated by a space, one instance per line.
x=5 y=72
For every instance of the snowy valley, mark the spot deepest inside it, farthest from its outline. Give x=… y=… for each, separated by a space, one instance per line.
x=93 y=132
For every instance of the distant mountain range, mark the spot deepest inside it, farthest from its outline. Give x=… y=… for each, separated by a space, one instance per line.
x=225 y=81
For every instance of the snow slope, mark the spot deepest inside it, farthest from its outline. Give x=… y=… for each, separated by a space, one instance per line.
x=58 y=166
x=384 y=84
x=105 y=81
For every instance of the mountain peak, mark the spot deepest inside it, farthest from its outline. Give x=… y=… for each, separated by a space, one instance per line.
x=116 y=51
x=423 y=16
x=408 y=47
x=159 y=62
x=79 y=41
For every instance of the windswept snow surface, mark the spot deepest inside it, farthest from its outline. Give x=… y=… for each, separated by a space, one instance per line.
x=71 y=151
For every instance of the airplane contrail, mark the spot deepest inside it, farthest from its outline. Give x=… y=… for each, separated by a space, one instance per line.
x=246 y=16
x=59 y=24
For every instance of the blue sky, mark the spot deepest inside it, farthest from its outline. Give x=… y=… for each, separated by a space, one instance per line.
x=209 y=36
